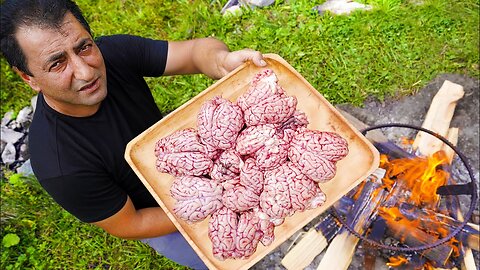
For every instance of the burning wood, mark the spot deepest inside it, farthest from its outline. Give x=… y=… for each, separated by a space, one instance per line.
x=440 y=225
x=438 y=118
x=312 y=243
x=406 y=206
x=361 y=216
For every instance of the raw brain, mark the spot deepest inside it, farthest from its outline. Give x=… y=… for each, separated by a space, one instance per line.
x=265 y=101
x=182 y=153
x=286 y=190
x=196 y=197
x=236 y=235
x=257 y=162
x=219 y=122
x=315 y=153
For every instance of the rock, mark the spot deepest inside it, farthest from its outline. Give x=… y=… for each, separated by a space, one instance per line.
x=24 y=117
x=26 y=169
x=23 y=153
x=9 y=154
x=9 y=135
x=258 y=3
x=340 y=7
x=233 y=11
x=2 y=146
x=7 y=118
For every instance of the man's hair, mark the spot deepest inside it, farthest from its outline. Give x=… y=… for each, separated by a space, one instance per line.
x=26 y=13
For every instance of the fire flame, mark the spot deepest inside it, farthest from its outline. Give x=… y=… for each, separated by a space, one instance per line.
x=421 y=176
x=414 y=181
x=397 y=261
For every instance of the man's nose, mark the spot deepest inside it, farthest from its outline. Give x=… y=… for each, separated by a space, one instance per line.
x=81 y=69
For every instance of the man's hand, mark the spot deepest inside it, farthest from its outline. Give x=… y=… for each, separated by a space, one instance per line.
x=232 y=60
x=209 y=56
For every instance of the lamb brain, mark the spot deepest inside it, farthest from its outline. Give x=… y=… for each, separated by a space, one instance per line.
x=234 y=235
x=287 y=129
x=196 y=197
x=227 y=166
x=287 y=190
x=182 y=153
x=263 y=85
x=275 y=200
x=251 y=176
x=186 y=140
x=272 y=110
x=253 y=138
x=240 y=198
x=248 y=235
x=185 y=163
x=219 y=123
x=274 y=153
x=222 y=229
x=315 y=153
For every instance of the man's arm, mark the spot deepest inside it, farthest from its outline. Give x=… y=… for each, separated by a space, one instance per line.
x=208 y=56
x=129 y=223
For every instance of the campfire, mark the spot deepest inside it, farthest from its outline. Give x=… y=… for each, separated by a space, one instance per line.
x=408 y=210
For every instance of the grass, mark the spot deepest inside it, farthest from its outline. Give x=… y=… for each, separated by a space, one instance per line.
x=391 y=51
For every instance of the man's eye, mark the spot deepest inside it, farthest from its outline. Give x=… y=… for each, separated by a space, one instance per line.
x=55 y=66
x=86 y=47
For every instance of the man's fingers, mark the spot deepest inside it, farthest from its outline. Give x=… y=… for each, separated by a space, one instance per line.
x=256 y=57
x=258 y=60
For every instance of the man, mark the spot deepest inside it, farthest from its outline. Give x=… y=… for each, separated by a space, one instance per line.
x=92 y=101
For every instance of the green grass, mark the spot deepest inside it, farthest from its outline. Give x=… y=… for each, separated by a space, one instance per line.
x=391 y=51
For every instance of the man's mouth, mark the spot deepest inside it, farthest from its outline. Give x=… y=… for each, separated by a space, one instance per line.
x=91 y=86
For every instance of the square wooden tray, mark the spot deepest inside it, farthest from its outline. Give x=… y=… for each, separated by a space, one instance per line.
x=361 y=161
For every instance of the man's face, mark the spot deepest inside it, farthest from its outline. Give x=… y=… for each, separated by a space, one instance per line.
x=66 y=65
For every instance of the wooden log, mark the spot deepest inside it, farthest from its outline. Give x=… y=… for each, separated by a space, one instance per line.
x=438 y=118
x=312 y=244
x=469 y=241
x=452 y=137
x=340 y=251
x=431 y=221
x=414 y=237
x=317 y=238
x=371 y=252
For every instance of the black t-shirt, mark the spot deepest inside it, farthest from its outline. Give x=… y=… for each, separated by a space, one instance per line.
x=80 y=160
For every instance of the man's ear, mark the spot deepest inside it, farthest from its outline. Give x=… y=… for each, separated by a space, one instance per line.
x=30 y=80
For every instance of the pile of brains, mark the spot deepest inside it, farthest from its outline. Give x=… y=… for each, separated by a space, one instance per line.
x=248 y=165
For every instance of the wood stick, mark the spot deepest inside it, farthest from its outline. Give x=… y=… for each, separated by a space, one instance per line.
x=468 y=262
x=438 y=118
x=415 y=237
x=431 y=221
x=452 y=137
x=340 y=251
x=312 y=244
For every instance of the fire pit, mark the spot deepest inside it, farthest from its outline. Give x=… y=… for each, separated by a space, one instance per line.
x=415 y=205
x=396 y=223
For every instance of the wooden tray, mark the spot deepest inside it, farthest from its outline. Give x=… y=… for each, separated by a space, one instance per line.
x=361 y=161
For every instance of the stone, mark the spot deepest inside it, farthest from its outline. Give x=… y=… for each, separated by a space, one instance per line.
x=9 y=154
x=10 y=136
x=7 y=118
x=26 y=169
x=23 y=153
x=24 y=117
x=258 y=3
x=341 y=7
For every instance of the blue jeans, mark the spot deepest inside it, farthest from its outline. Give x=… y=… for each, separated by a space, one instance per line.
x=177 y=249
